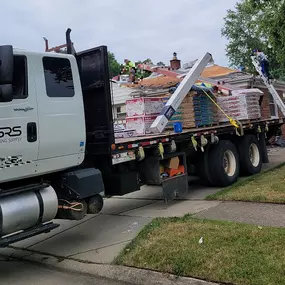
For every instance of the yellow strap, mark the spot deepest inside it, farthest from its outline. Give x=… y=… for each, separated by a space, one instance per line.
x=232 y=121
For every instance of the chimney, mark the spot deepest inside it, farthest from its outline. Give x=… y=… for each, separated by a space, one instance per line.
x=175 y=63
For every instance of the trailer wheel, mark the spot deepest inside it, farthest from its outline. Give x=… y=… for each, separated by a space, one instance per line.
x=95 y=204
x=223 y=163
x=250 y=155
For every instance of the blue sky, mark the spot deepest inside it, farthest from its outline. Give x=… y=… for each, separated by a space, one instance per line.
x=131 y=29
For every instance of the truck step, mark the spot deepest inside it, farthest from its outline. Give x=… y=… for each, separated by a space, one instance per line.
x=43 y=228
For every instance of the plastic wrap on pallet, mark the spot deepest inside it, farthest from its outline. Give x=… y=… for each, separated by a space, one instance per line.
x=144 y=106
x=243 y=106
x=120 y=131
x=140 y=125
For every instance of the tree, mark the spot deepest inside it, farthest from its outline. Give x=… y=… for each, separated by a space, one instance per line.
x=114 y=65
x=160 y=63
x=256 y=24
x=148 y=61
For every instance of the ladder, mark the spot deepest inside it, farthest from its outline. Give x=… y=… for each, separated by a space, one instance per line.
x=269 y=86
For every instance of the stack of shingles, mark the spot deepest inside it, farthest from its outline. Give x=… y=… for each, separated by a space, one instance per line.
x=205 y=110
x=242 y=105
x=141 y=112
x=184 y=114
x=196 y=110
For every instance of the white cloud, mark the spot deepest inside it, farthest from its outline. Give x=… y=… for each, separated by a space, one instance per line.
x=132 y=29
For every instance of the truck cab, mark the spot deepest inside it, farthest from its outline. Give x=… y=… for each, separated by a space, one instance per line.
x=43 y=123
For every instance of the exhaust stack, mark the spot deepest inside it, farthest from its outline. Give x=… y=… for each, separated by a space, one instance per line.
x=69 y=43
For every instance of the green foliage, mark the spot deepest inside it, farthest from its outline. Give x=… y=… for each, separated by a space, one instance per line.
x=256 y=24
x=160 y=63
x=148 y=61
x=114 y=65
x=142 y=73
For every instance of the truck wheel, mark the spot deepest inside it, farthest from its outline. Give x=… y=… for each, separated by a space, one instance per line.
x=223 y=163
x=95 y=204
x=250 y=155
x=202 y=168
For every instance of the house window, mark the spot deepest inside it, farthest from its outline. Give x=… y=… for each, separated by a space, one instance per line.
x=58 y=77
x=119 y=110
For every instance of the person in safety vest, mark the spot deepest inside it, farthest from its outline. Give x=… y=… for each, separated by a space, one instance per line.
x=131 y=69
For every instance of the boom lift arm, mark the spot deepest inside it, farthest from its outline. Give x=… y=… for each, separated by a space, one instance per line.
x=180 y=93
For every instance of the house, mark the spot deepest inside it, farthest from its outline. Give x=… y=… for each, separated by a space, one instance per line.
x=120 y=95
x=244 y=80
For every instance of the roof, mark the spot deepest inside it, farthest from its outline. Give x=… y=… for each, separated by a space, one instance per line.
x=239 y=78
x=161 y=81
x=217 y=70
x=120 y=94
x=168 y=81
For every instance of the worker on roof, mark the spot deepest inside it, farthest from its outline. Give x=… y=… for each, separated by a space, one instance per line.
x=128 y=65
x=130 y=68
x=264 y=63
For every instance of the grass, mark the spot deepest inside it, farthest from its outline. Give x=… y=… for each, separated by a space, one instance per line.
x=231 y=252
x=266 y=187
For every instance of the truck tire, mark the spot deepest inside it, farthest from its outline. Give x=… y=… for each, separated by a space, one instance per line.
x=202 y=168
x=223 y=163
x=95 y=204
x=250 y=155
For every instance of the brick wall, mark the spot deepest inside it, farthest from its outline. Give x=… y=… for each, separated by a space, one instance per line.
x=265 y=107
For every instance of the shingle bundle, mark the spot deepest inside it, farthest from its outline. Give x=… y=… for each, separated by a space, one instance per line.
x=205 y=110
x=196 y=110
x=242 y=105
x=141 y=113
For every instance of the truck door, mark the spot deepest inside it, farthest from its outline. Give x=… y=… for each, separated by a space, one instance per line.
x=95 y=80
x=19 y=125
x=61 y=113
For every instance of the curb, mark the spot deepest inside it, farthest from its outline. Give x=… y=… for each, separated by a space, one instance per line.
x=112 y=272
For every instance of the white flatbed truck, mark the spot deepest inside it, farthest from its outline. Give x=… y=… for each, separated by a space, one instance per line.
x=58 y=151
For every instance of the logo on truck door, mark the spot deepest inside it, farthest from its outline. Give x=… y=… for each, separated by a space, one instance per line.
x=10 y=134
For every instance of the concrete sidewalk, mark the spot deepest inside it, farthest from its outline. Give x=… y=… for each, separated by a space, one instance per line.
x=99 y=239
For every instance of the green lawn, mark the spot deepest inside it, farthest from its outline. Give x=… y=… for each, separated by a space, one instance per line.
x=231 y=252
x=267 y=187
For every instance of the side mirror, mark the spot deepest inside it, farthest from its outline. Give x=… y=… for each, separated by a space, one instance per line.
x=6 y=73
x=6 y=93
x=6 y=65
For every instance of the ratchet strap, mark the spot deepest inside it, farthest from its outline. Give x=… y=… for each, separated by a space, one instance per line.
x=232 y=121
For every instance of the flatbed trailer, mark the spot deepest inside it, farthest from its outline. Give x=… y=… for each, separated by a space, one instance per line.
x=128 y=150
x=222 y=128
